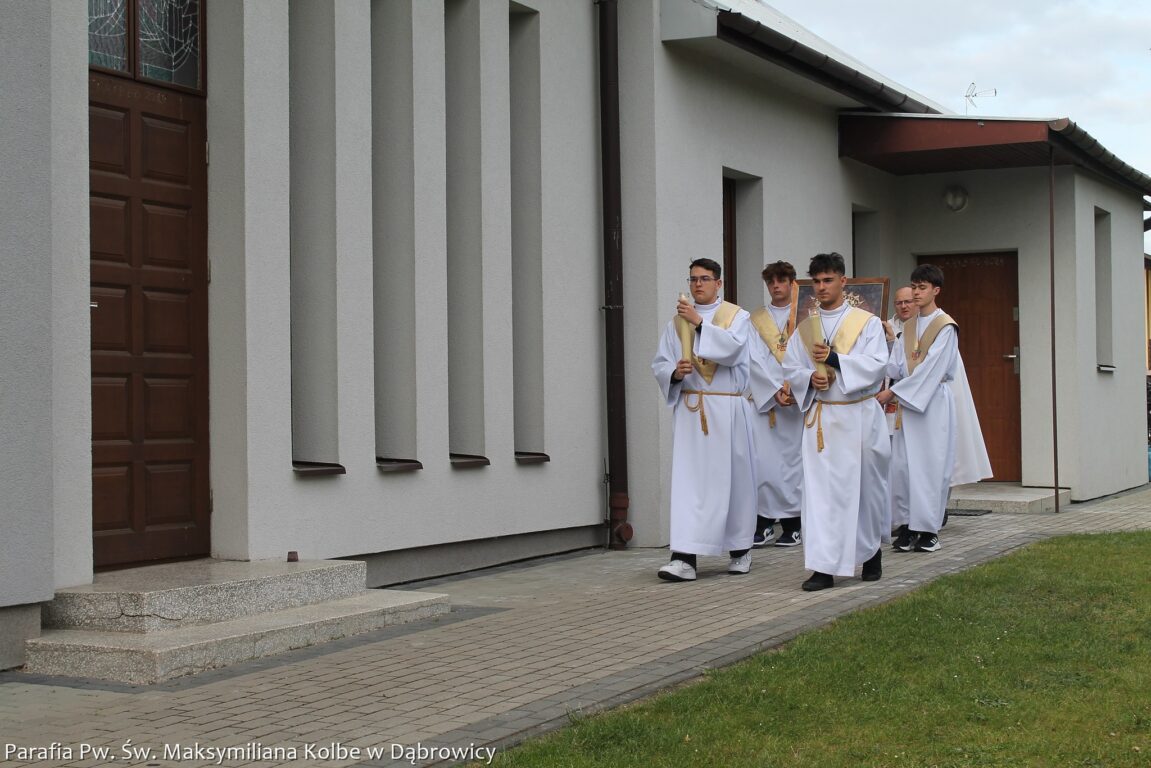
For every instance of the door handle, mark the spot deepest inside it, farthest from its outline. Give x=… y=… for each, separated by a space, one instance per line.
x=1014 y=358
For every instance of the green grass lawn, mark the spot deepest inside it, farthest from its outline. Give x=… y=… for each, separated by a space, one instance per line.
x=1041 y=658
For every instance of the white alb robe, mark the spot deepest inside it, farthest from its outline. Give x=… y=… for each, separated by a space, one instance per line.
x=846 y=505
x=923 y=448
x=778 y=449
x=713 y=475
x=896 y=329
x=972 y=463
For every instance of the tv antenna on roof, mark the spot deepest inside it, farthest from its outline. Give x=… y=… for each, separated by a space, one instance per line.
x=972 y=93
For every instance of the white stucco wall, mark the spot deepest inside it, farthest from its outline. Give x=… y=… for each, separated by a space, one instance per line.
x=707 y=115
x=263 y=509
x=685 y=118
x=25 y=308
x=1099 y=446
x=45 y=463
x=1110 y=436
x=71 y=315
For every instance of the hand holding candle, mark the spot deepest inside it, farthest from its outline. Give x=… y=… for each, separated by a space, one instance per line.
x=684 y=329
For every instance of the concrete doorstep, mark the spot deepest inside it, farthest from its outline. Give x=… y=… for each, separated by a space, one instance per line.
x=151 y=624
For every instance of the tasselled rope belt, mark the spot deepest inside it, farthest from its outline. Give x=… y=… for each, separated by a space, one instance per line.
x=700 y=395
x=816 y=417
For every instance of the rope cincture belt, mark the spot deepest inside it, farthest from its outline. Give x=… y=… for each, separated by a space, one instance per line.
x=816 y=417
x=698 y=407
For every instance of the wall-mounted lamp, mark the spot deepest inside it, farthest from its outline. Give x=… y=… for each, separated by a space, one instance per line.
x=955 y=198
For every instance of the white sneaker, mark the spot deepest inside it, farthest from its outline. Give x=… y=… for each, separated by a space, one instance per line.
x=741 y=564
x=677 y=570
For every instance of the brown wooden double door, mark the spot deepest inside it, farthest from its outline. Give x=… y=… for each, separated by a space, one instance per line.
x=981 y=291
x=149 y=278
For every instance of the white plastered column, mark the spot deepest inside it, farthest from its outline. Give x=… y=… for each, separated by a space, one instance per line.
x=248 y=244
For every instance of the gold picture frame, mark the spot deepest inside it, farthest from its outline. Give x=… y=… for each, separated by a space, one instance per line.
x=869 y=293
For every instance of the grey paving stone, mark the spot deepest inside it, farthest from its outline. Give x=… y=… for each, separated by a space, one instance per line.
x=525 y=646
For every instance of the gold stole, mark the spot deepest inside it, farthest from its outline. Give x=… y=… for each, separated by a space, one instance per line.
x=775 y=339
x=772 y=335
x=811 y=332
x=723 y=318
x=915 y=349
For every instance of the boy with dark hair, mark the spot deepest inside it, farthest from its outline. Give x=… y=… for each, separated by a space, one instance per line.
x=835 y=363
x=778 y=429
x=702 y=369
x=922 y=366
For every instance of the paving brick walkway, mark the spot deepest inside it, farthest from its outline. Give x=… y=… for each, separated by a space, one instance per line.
x=525 y=648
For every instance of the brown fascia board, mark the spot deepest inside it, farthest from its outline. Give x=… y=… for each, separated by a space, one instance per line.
x=872 y=137
x=879 y=135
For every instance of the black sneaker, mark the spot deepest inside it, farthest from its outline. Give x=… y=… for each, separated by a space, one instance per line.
x=927 y=542
x=763 y=537
x=904 y=539
x=789 y=539
x=818 y=581
x=873 y=568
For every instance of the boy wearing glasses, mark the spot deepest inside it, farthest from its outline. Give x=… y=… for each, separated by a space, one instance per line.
x=701 y=367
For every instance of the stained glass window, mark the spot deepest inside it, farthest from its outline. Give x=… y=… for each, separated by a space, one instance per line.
x=108 y=34
x=169 y=41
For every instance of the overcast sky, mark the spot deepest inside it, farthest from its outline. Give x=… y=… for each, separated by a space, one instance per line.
x=1089 y=60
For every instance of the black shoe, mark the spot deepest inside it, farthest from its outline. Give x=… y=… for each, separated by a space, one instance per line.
x=873 y=568
x=927 y=542
x=789 y=539
x=818 y=581
x=904 y=539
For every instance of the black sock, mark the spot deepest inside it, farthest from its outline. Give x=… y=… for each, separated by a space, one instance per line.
x=738 y=552
x=790 y=524
x=689 y=559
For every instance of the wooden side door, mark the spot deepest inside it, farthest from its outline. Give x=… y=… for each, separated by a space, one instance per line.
x=981 y=291
x=149 y=278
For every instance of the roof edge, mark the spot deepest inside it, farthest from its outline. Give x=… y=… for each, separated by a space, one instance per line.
x=1099 y=155
x=784 y=50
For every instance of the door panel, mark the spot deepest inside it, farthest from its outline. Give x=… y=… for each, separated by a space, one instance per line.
x=981 y=291
x=149 y=322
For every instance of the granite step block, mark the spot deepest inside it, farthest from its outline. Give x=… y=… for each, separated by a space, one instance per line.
x=1006 y=498
x=157 y=656
x=160 y=597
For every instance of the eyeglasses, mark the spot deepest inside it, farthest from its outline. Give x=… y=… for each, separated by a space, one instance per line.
x=700 y=279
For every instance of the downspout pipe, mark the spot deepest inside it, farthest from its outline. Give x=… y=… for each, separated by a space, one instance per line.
x=619 y=529
x=1054 y=377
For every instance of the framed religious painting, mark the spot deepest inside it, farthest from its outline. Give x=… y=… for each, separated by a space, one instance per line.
x=870 y=293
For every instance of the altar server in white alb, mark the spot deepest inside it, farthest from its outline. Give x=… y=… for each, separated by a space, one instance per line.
x=779 y=426
x=702 y=369
x=835 y=363
x=922 y=365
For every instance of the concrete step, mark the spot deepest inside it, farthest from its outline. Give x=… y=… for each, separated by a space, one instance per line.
x=162 y=655
x=160 y=597
x=1010 y=498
